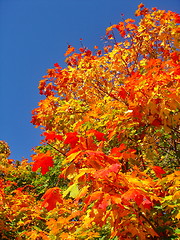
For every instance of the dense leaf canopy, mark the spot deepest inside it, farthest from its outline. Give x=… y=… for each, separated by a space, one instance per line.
x=108 y=166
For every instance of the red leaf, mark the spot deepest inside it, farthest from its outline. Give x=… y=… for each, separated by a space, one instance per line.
x=43 y=161
x=157 y=122
x=52 y=136
x=177 y=18
x=138 y=196
x=71 y=139
x=51 y=197
x=130 y=20
x=118 y=151
x=114 y=168
x=120 y=27
x=104 y=203
x=136 y=113
x=105 y=172
x=24 y=188
x=133 y=194
x=96 y=195
x=88 y=53
x=56 y=65
x=175 y=56
x=158 y=171
x=122 y=93
x=82 y=50
x=99 y=52
x=98 y=135
x=147 y=203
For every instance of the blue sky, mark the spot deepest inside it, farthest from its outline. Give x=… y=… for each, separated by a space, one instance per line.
x=34 y=36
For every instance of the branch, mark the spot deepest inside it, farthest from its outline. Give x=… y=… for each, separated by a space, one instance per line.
x=57 y=149
x=150 y=223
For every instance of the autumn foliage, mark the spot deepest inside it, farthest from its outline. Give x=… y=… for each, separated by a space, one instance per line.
x=108 y=166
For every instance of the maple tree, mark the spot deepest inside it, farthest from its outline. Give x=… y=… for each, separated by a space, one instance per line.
x=108 y=166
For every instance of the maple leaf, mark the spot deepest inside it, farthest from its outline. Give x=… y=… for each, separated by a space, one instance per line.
x=51 y=197
x=157 y=122
x=69 y=50
x=120 y=27
x=88 y=53
x=56 y=65
x=93 y=197
x=130 y=20
x=109 y=29
x=43 y=161
x=98 y=135
x=82 y=50
x=141 y=5
x=105 y=172
x=71 y=139
x=158 y=171
x=177 y=18
x=24 y=188
x=126 y=93
x=139 y=197
x=104 y=203
x=52 y=136
x=147 y=203
x=117 y=151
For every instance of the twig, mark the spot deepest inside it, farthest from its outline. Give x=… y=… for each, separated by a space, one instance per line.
x=150 y=223
x=57 y=149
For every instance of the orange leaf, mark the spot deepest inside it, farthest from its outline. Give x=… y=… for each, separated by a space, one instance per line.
x=106 y=171
x=69 y=50
x=138 y=196
x=141 y=5
x=130 y=20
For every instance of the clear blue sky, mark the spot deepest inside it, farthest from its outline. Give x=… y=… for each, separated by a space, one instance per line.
x=33 y=36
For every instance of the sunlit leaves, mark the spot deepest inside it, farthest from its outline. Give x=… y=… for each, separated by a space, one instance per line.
x=158 y=171
x=110 y=122
x=43 y=161
x=71 y=138
x=52 y=136
x=138 y=196
x=69 y=50
x=51 y=197
x=118 y=114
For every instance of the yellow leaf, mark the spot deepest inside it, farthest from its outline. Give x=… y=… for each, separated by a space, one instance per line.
x=178 y=215
x=71 y=157
x=176 y=195
x=73 y=190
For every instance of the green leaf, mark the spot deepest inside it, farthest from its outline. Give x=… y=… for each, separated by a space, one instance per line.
x=177 y=231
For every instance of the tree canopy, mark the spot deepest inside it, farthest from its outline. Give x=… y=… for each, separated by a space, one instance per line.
x=108 y=164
